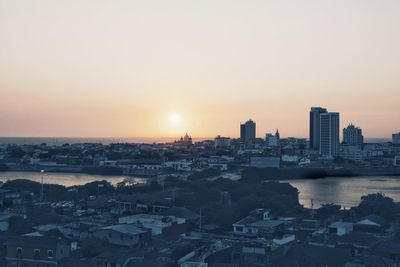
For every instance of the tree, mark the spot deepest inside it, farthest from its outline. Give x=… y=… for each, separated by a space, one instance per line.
x=17 y=225
x=327 y=210
x=378 y=204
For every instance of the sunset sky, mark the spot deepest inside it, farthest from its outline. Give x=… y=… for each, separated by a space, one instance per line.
x=158 y=68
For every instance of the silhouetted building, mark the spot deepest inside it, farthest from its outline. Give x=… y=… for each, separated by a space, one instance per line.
x=396 y=138
x=329 y=138
x=315 y=126
x=272 y=140
x=352 y=135
x=248 y=133
x=185 y=140
x=221 y=141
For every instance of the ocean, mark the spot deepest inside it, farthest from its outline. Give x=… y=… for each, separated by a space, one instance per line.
x=105 y=140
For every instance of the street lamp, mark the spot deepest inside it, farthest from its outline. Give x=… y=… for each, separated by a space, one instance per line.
x=41 y=190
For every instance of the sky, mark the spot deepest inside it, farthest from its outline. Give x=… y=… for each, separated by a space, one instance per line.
x=156 y=68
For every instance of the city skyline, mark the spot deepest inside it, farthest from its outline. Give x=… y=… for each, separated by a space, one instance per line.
x=258 y=133
x=141 y=69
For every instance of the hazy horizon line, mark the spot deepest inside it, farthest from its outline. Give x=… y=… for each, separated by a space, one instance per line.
x=153 y=137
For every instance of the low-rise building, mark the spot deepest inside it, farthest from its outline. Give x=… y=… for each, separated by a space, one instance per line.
x=129 y=235
x=182 y=165
x=265 y=162
x=157 y=223
x=32 y=251
x=351 y=152
x=396 y=161
x=222 y=142
x=341 y=228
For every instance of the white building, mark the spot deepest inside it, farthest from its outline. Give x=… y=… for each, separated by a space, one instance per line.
x=178 y=165
x=290 y=158
x=341 y=228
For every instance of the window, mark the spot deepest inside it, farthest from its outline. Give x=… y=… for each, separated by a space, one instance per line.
x=36 y=254
x=50 y=253
x=19 y=253
x=239 y=228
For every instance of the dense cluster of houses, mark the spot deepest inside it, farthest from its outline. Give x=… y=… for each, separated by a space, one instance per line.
x=147 y=230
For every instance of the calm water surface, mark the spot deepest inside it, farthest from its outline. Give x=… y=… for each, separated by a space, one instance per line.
x=345 y=191
x=67 y=179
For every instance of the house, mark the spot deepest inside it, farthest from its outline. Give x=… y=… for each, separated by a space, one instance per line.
x=257 y=223
x=32 y=251
x=370 y=260
x=157 y=223
x=372 y=224
x=248 y=253
x=182 y=212
x=4 y=219
x=117 y=258
x=357 y=242
x=340 y=228
x=390 y=249
x=304 y=255
x=309 y=225
x=129 y=235
x=178 y=165
x=265 y=162
x=13 y=198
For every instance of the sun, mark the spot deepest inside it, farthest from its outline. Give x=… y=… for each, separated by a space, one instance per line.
x=175 y=118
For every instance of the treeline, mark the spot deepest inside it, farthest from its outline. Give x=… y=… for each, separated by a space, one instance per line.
x=260 y=174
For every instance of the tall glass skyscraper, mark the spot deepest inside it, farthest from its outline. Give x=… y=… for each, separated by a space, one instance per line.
x=329 y=138
x=248 y=133
x=315 y=126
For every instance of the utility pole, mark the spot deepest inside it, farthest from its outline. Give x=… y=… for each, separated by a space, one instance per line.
x=41 y=190
x=312 y=208
x=200 y=218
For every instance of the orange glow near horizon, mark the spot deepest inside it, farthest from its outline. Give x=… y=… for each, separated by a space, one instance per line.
x=158 y=69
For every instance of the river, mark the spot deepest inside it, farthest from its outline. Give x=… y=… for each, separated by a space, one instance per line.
x=345 y=191
x=67 y=179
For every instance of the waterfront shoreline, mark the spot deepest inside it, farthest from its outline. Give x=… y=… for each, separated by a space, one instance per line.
x=283 y=174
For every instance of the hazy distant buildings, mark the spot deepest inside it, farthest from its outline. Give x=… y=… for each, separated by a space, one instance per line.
x=352 y=135
x=329 y=134
x=248 y=133
x=315 y=126
x=185 y=140
x=265 y=162
x=222 y=142
x=351 y=152
x=272 y=140
x=396 y=138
